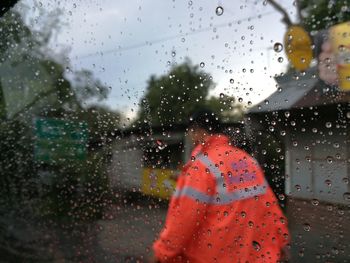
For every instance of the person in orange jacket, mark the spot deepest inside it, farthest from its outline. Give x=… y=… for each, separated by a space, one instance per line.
x=223 y=210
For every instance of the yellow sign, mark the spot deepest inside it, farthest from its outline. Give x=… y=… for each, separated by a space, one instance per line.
x=158 y=182
x=298 y=48
x=340 y=40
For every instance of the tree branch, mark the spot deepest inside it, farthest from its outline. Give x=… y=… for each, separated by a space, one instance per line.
x=286 y=18
x=297 y=2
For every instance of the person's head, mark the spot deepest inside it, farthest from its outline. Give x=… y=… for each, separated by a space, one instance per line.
x=202 y=123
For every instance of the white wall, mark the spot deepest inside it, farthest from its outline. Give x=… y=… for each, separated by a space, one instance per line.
x=317 y=166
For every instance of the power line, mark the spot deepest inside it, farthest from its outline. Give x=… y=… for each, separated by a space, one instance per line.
x=164 y=39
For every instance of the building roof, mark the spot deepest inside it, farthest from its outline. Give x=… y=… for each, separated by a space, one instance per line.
x=296 y=92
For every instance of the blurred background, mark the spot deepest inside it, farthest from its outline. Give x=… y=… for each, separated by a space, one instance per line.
x=94 y=101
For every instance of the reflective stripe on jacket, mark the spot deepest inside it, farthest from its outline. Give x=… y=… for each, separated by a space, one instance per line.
x=223 y=210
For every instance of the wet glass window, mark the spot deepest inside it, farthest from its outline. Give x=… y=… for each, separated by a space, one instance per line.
x=174 y=131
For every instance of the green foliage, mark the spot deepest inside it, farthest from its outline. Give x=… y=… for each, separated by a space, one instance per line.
x=172 y=97
x=16 y=166
x=321 y=14
x=102 y=122
x=6 y=5
x=79 y=190
x=226 y=107
x=71 y=189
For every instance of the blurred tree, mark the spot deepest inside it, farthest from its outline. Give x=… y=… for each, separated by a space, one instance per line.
x=227 y=107
x=103 y=124
x=38 y=82
x=321 y=14
x=24 y=49
x=5 y=5
x=171 y=98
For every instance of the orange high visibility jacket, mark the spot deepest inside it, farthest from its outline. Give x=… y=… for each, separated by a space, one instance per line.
x=222 y=211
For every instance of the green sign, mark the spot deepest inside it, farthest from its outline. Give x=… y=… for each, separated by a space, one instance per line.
x=59 y=140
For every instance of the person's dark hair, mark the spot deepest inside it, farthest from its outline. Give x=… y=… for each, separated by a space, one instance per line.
x=205 y=119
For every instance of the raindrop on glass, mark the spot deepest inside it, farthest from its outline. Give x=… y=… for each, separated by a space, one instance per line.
x=346 y=196
x=315 y=202
x=277 y=47
x=256 y=245
x=328 y=182
x=219 y=10
x=328 y=125
x=329 y=159
x=307 y=227
x=161 y=145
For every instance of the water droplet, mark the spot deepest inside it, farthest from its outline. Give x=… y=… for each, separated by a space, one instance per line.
x=173 y=54
x=328 y=125
x=346 y=196
x=209 y=232
x=328 y=182
x=202 y=64
x=250 y=224
x=222 y=95
x=193 y=158
x=315 y=202
x=256 y=245
x=277 y=47
x=307 y=227
x=243 y=214
x=225 y=213
x=280 y=59
x=335 y=250
x=232 y=81
x=161 y=145
x=281 y=197
x=345 y=180
x=219 y=10
x=298 y=187
x=329 y=159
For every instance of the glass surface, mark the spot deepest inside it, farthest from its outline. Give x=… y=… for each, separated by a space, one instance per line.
x=95 y=99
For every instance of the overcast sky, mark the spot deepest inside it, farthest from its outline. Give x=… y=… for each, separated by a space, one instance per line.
x=125 y=42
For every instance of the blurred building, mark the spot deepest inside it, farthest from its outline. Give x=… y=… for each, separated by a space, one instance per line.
x=147 y=159
x=311 y=122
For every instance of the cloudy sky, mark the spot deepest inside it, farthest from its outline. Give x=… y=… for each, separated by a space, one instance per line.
x=125 y=42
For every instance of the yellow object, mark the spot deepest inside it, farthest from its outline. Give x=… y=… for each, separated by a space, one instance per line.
x=298 y=48
x=340 y=40
x=158 y=182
